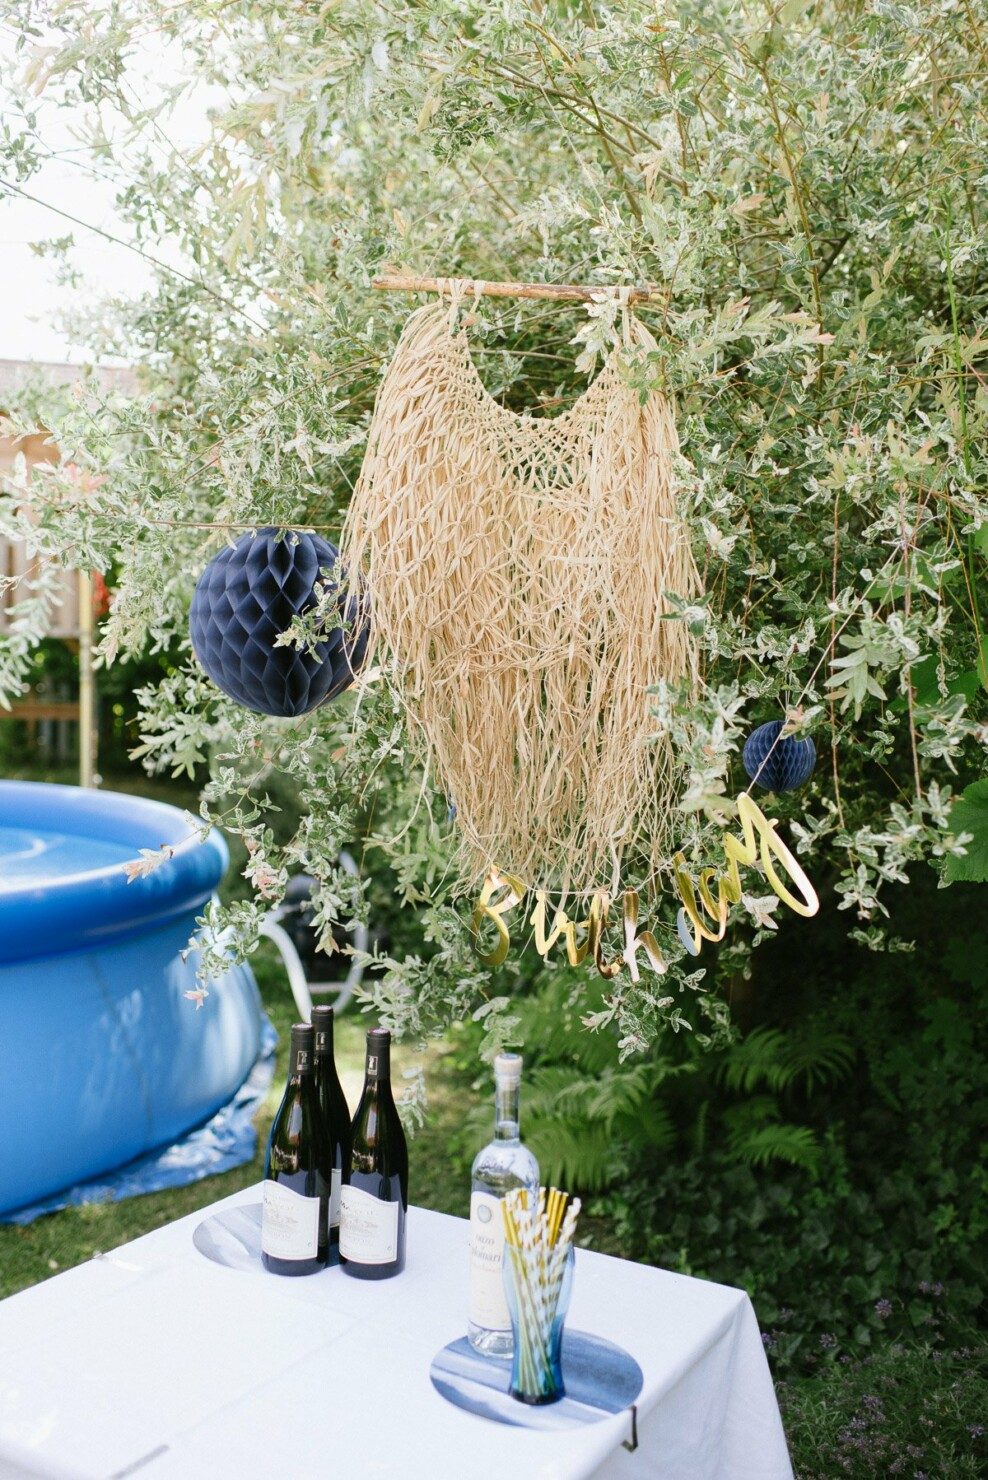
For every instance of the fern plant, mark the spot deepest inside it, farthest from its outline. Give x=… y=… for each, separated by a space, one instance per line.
x=586 y=1116
x=782 y=1060
x=583 y=1123
x=589 y=1118
x=785 y=1064
x=757 y=1135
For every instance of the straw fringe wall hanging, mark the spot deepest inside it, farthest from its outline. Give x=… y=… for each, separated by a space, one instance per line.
x=518 y=569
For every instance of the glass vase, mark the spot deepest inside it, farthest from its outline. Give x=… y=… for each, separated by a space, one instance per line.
x=536 y=1361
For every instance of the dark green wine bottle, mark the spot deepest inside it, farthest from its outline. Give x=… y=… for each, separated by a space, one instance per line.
x=294 y=1228
x=374 y=1204
x=335 y=1119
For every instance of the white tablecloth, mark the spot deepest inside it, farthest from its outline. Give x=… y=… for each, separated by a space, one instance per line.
x=154 y=1362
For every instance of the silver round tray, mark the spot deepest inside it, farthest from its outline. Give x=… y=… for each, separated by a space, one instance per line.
x=232 y=1237
x=600 y=1379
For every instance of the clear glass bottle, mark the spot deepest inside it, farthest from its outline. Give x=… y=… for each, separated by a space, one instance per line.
x=504 y=1163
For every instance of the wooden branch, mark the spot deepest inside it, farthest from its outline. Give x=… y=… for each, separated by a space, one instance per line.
x=563 y=292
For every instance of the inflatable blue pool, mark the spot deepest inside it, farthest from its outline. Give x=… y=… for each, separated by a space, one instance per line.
x=102 y=1057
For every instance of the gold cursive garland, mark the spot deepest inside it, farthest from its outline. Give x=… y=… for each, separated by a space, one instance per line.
x=703 y=916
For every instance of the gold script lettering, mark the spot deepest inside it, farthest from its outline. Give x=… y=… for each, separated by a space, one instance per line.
x=596 y=920
x=708 y=900
x=746 y=850
x=633 y=942
x=489 y=908
x=563 y=926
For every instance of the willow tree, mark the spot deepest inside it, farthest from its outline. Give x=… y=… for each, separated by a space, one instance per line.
x=806 y=182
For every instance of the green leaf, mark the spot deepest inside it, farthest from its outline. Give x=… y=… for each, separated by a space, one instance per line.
x=969 y=814
x=760 y=1146
x=780 y=1060
x=927 y=690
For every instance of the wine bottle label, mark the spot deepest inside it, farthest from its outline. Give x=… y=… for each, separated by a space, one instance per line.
x=334 y=1198
x=368 y=1227
x=488 y=1304
x=289 y=1223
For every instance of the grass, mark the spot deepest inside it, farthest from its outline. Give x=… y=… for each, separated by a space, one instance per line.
x=905 y=1411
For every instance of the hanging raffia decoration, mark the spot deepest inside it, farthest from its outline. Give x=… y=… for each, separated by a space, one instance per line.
x=519 y=569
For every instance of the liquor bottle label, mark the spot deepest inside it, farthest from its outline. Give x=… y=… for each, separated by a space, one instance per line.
x=289 y=1223
x=334 y=1198
x=488 y=1304
x=368 y=1228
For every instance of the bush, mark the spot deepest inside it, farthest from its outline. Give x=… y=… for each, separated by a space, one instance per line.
x=833 y=1265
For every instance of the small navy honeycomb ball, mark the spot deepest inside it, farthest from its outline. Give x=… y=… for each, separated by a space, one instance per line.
x=246 y=597
x=790 y=763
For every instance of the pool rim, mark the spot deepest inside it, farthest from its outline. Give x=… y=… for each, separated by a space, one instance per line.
x=88 y=908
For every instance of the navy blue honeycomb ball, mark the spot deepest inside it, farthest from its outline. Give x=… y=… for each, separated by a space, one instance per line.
x=789 y=764
x=246 y=597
